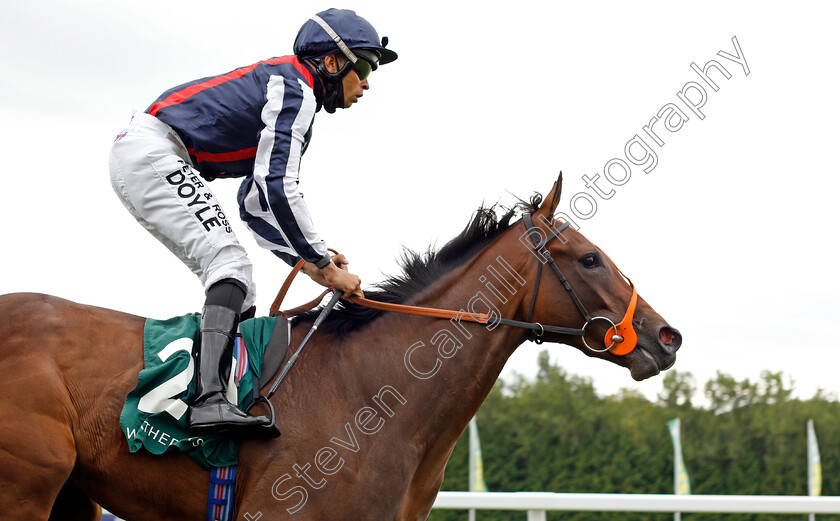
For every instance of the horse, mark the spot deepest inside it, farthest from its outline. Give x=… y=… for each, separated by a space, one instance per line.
x=369 y=416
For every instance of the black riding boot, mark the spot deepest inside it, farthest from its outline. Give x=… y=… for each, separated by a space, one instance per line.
x=210 y=412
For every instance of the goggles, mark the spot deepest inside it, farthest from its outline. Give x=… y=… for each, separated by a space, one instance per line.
x=362 y=68
x=363 y=64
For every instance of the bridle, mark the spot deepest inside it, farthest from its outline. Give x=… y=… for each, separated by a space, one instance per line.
x=620 y=342
x=624 y=338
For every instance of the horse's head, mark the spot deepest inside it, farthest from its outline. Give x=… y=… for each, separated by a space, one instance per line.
x=579 y=287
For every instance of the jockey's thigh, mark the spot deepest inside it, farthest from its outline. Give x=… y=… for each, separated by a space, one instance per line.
x=152 y=174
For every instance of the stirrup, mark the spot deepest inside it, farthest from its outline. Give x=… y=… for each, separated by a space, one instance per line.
x=271 y=430
x=215 y=421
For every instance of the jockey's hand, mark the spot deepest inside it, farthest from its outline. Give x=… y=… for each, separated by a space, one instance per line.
x=335 y=276
x=341 y=261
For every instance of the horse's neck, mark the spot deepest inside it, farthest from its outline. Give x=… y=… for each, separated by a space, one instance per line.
x=452 y=365
x=392 y=398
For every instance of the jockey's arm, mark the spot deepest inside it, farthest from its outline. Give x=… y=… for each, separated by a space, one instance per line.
x=335 y=275
x=276 y=172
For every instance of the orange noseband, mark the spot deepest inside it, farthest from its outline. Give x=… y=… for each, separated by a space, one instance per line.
x=623 y=339
x=624 y=330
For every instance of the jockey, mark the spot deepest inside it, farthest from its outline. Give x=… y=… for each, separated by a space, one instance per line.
x=254 y=122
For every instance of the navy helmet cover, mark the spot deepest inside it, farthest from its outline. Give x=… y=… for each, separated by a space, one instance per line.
x=313 y=42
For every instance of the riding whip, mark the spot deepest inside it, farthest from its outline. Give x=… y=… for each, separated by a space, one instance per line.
x=324 y=312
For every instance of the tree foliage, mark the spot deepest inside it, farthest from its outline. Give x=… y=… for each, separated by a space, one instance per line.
x=556 y=434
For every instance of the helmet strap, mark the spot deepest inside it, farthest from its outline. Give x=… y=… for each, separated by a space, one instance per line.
x=334 y=95
x=336 y=38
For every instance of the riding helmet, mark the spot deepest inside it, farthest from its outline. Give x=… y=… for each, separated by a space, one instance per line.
x=313 y=42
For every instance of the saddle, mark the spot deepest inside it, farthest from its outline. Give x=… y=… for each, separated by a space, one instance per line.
x=275 y=354
x=153 y=416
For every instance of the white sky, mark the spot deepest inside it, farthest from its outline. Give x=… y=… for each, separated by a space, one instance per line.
x=731 y=237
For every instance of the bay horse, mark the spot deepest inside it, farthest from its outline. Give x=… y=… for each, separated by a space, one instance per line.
x=370 y=414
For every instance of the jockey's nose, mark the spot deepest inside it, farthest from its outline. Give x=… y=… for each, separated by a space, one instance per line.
x=670 y=339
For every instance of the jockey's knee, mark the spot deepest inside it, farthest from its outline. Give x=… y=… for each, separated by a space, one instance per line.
x=228 y=281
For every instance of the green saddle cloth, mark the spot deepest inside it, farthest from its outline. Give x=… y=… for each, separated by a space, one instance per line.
x=154 y=414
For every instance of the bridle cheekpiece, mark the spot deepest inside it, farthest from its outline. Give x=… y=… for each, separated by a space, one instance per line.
x=620 y=339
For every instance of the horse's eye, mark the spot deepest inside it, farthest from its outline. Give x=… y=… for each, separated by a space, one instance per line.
x=590 y=260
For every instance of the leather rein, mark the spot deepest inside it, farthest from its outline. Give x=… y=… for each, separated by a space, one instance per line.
x=620 y=342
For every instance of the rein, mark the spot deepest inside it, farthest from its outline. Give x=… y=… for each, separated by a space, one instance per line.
x=615 y=343
x=373 y=304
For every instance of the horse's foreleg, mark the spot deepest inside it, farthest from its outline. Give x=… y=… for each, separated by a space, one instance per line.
x=37 y=449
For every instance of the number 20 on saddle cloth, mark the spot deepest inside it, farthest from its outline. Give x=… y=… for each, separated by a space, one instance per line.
x=154 y=414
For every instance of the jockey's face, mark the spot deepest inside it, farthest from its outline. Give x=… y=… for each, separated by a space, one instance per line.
x=353 y=87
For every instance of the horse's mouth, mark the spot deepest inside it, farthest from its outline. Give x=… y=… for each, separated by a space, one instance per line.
x=643 y=364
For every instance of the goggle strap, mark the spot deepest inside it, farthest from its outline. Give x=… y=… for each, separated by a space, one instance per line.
x=336 y=38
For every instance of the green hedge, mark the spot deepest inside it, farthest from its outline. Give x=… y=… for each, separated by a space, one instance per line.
x=556 y=434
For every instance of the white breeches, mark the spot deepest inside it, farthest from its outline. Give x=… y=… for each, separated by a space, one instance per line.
x=152 y=174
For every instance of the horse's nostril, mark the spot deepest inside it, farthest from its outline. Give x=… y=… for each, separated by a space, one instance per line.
x=670 y=337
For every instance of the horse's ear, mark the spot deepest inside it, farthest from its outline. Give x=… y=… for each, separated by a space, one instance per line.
x=552 y=199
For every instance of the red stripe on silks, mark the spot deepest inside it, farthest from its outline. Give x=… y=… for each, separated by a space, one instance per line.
x=181 y=95
x=306 y=74
x=221 y=157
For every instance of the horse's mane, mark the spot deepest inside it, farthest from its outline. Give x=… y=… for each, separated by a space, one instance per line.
x=421 y=270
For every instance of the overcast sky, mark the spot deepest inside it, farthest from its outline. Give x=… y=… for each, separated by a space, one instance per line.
x=731 y=236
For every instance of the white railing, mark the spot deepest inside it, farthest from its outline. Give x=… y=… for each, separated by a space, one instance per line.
x=537 y=503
